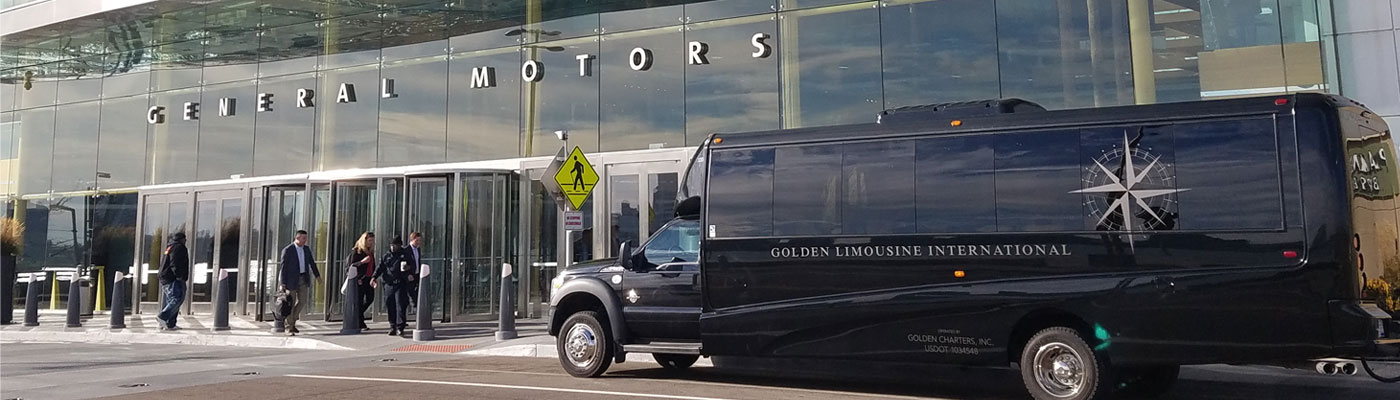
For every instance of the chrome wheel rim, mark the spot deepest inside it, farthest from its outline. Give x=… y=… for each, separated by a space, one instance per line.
x=581 y=345
x=1059 y=370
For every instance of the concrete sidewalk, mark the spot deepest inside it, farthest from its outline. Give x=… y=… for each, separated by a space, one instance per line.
x=453 y=337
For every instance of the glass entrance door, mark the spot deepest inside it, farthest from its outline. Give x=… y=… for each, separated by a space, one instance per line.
x=162 y=217
x=429 y=213
x=355 y=204
x=488 y=226
x=544 y=240
x=215 y=243
x=284 y=213
x=641 y=198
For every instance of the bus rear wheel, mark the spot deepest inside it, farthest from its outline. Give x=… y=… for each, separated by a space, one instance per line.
x=675 y=362
x=1057 y=364
x=585 y=347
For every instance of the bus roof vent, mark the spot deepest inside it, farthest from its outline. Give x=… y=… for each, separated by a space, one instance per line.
x=977 y=108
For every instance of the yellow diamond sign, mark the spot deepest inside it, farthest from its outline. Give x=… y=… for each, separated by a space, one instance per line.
x=576 y=178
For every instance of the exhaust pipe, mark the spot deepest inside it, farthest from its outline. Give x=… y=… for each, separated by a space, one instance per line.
x=1346 y=368
x=1326 y=368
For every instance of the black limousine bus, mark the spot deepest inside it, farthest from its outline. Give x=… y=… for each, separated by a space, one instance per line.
x=1096 y=250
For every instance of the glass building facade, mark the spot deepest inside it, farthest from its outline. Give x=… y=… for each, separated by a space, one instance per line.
x=175 y=92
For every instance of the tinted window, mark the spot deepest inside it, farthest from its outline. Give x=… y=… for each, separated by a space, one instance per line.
x=1036 y=175
x=1230 y=172
x=807 y=191
x=679 y=242
x=741 y=193
x=879 y=188
x=956 y=188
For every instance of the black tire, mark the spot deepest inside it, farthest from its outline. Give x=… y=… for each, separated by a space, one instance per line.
x=591 y=346
x=1146 y=382
x=675 y=362
x=1057 y=364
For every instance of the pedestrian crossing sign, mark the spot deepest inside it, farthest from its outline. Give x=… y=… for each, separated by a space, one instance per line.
x=576 y=178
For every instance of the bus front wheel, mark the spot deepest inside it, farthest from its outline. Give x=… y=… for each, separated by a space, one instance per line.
x=585 y=347
x=1057 y=364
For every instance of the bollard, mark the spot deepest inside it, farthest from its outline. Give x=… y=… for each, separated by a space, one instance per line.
x=351 y=305
x=75 y=302
x=424 y=330
x=507 y=326
x=7 y=290
x=31 y=301
x=118 y=302
x=221 y=302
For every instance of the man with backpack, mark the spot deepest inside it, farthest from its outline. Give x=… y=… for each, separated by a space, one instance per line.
x=174 y=272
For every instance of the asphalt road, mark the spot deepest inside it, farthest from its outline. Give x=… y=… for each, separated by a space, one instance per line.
x=59 y=371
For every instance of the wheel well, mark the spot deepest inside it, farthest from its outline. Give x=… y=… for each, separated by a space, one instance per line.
x=1038 y=320
x=575 y=302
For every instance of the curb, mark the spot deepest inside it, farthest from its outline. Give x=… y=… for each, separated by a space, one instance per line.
x=550 y=351
x=192 y=338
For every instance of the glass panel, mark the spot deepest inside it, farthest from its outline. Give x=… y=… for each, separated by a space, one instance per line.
x=561 y=100
x=735 y=92
x=153 y=236
x=43 y=91
x=740 y=193
x=121 y=145
x=114 y=237
x=177 y=65
x=226 y=130
x=413 y=123
x=831 y=76
x=807 y=191
x=965 y=163
x=66 y=234
x=352 y=40
x=173 y=147
x=201 y=266
x=429 y=215
x=286 y=133
x=479 y=279
x=250 y=275
x=878 y=182
x=82 y=79
x=75 y=147
x=542 y=248
x=798 y=4
x=719 y=9
x=321 y=245
x=230 y=236
x=483 y=120
x=647 y=14
x=1051 y=54
x=1036 y=175
x=36 y=139
x=643 y=108
x=288 y=49
x=354 y=215
x=349 y=118
x=939 y=51
x=9 y=154
x=663 y=189
x=624 y=213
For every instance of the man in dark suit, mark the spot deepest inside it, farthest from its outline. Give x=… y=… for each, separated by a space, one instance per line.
x=298 y=269
x=414 y=257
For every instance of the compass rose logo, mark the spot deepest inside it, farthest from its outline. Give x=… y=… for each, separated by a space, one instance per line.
x=1131 y=189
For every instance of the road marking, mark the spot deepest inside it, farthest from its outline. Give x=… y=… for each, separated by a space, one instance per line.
x=735 y=385
x=489 y=385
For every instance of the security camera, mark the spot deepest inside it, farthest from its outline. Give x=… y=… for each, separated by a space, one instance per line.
x=562 y=135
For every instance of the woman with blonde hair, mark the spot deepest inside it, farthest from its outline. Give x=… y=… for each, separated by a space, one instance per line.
x=362 y=260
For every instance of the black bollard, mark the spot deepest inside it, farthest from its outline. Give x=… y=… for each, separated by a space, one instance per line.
x=7 y=289
x=424 y=331
x=221 y=302
x=351 y=305
x=118 y=303
x=507 y=323
x=31 y=301
x=75 y=301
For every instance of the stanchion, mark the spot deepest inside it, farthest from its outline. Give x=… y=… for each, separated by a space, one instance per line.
x=101 y=288
x=31 y=300
x=221 y=302
x=507 y=323
x=75 y=302
x=53 y=293
x=351 y=304
x=7 y=289
x=118 y=302
x=424 y=330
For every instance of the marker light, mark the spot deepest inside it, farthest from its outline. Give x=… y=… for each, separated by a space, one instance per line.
x=1290 y=254
x=1281 y=102
x=956 y=122
x=718 y=139
x=959 y=274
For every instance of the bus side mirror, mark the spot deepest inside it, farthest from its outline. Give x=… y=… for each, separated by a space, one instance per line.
x=624 y=255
